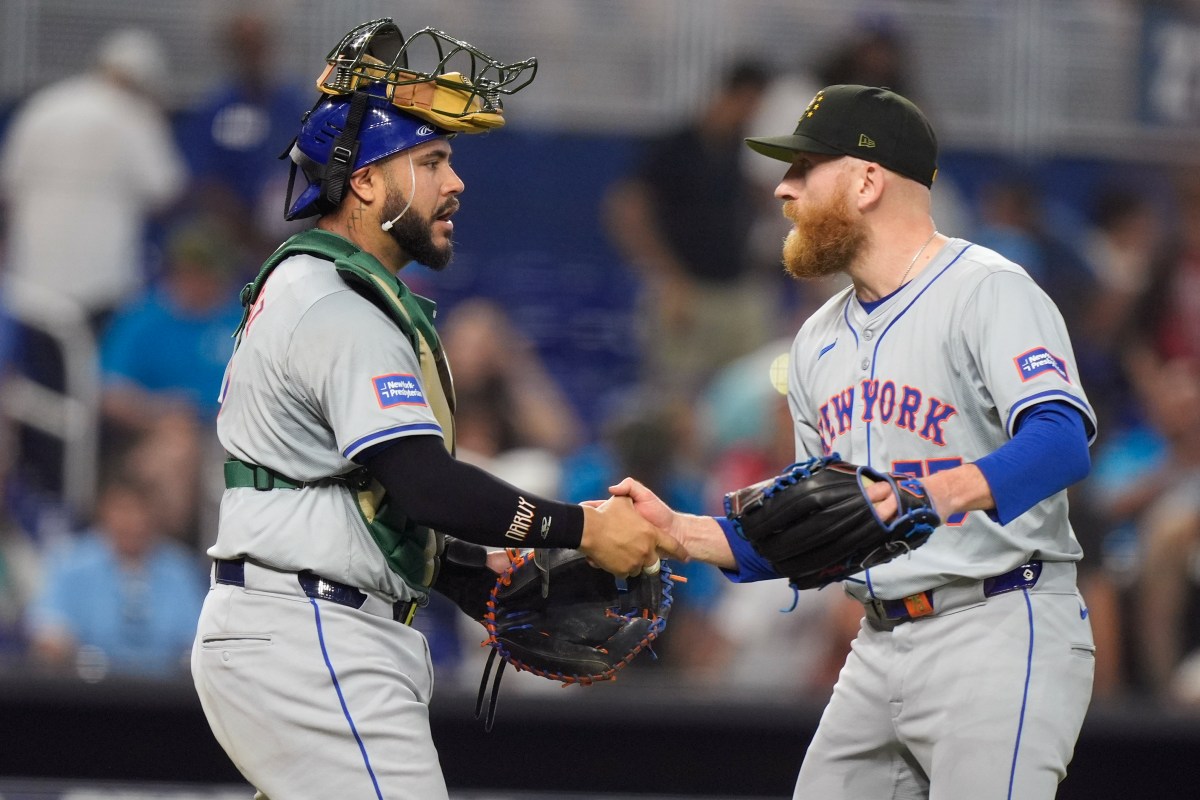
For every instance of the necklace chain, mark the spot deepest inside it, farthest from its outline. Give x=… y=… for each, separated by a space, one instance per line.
x=918 y=255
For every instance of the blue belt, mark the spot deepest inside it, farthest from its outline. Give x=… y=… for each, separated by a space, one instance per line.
x=233 y=573
x=923 y=603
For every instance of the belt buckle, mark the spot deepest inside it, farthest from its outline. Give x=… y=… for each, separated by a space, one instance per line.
x=231 y=572
x=919 y=605
x=324 y=589
x=907 y=609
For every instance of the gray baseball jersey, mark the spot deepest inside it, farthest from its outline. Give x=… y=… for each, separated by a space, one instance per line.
x=320 y=373
x=300 y=401
x=984 y=697
x=933 y=378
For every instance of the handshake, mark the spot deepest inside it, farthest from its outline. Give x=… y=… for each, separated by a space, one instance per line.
x=563 y=616
x=817 y=522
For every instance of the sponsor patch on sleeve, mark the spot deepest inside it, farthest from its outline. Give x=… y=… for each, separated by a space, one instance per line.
x=1034 y=362
x=398 y=390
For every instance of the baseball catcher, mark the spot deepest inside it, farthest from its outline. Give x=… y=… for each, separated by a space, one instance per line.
x=345 y=504
x=815 y=524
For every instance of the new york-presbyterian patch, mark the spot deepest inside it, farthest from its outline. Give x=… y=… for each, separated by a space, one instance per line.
x=398 y=390
x=1034 y=362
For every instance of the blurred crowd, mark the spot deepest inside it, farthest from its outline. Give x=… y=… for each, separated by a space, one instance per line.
x=129 y=228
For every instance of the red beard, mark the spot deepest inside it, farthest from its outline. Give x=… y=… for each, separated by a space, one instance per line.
x=825 y=239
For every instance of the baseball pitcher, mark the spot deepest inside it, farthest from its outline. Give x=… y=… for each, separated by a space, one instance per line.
x=943 y=362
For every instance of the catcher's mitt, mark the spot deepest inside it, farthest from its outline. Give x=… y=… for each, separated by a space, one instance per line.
x=553 y=614
x=815 y=524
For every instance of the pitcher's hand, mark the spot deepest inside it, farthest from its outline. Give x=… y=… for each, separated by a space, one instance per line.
x=618 y=539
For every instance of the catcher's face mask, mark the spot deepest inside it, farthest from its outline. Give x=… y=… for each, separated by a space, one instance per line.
x=459 y=92
x=375 y=102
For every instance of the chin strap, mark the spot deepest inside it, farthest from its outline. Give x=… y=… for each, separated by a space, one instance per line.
x=335 y=175
x=343 y=154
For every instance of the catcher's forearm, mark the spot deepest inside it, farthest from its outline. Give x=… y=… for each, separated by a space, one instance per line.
x=704 y=539
x=437 y=490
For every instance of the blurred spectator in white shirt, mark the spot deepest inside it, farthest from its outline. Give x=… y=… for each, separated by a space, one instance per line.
x=87 y=161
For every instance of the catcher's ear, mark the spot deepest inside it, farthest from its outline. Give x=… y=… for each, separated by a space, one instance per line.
x=364 y=182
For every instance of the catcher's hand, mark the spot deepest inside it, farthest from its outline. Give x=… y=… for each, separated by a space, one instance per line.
x=553 y=614
x=815 y=523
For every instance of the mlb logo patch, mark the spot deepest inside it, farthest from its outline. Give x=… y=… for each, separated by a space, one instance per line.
x=398 y=390
x=1034 y=362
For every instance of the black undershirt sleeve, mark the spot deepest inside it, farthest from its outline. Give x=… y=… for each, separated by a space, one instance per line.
x=437 y=490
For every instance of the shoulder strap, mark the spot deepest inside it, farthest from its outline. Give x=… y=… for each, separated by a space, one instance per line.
x=412 y=314
x=313 y=242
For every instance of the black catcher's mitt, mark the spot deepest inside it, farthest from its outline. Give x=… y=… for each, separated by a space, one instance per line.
x=553 y=614
x=815 y=525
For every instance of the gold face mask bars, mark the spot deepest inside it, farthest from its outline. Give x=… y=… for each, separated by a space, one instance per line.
x=460 y=93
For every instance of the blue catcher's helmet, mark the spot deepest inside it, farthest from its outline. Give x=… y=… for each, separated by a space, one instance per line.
x=383 y=131
x=376 y=102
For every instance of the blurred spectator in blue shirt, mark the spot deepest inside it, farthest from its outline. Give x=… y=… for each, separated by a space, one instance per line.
x=121 y=598
x=166 y=350
x=162 y=360
x=234 y=136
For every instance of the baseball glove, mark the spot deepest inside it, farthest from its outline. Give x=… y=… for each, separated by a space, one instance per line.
x=553 y=614
x=815 y=524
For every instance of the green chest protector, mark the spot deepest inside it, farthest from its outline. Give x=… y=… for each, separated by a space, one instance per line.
x=412 y=551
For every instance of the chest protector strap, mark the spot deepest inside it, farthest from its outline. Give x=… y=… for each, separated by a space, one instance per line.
x=412 y=551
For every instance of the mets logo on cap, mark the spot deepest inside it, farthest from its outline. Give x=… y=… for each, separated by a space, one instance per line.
x=813 y=105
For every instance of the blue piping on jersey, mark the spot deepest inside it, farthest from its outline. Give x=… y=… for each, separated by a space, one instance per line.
x=846 y=316
x=826 y=349
x=879 y=341
x=1075 y=401
x=359 y=444
x=362 y=748
x=1012 y=775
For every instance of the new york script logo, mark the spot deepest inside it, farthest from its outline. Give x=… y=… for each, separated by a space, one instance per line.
x=884 y=402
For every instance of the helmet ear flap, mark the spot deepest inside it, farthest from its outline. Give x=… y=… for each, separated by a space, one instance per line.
x=331 y=178
x=343 y=154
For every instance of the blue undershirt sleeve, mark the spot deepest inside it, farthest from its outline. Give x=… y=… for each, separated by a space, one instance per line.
x=1048 y=453
x=750 y=565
